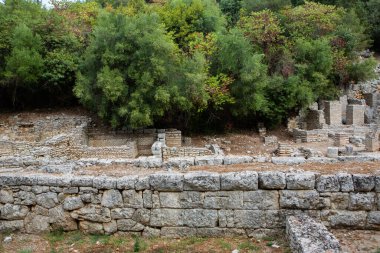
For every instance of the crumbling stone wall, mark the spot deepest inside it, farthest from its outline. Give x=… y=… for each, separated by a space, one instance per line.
x=168 y=152
x=177 y=205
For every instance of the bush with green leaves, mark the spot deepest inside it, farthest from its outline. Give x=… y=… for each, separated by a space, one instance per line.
x=133 y=72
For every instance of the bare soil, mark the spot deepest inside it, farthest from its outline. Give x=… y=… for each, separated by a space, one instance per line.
x=76 y=242
x=358 y=241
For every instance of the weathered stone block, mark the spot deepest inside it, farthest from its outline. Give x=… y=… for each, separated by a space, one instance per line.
x=223 y=200
x=11 y=225
x=122 y=213
x=346 y=182
x=104 y=183
x=142 y=183
x=302 y=199
x=92 y=213
x=363 y=183
x=47 y=200
x=35 y=224
x=83 y=181
x=340 y=200
x=305 y=235
x=132 y=199
x=228 y=160
x=60 y=219
x=166 y=217
x=126 y=183
x=249 y=219
x=300 y=181
x=247 y=180
x=70 y=190
x=151 y=232
x=342 y=218
x=91 y=227
x=72 y=203
x=6 y=196
x=226 y=218
x=373 y=219
x=377 y=183
x=110 y=227
x=13 y=212
x=112 y=198
x=200 y=218
x=261 y=199
x=327 y=183
x=129 y=225
x=208 y=160
x=142 y=216
x=166 y=182
x=25 y=198
x=187 y=199
x=202 y=181
x=272 y=180
x=362 y=201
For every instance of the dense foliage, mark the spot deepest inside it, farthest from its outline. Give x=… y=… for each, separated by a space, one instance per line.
x=185 y=63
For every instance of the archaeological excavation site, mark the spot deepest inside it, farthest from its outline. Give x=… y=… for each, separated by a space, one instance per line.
x=65 y=170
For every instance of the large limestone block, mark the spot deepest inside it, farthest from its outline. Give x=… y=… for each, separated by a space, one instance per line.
x=202 y=181
x=249 y=218
x=13 y=212
x=261 y=199
x=92 y=213
x=47 y=200
x=133 y=199
x=327 y=183
x=300 y=181
x=186 y=199
x=302 y=199
x=342 y=218
x=363 y=182
x=223 y=200
x=6 y=196
x=272 y=180
x=166 y=181
x=35 y=224
x=362 y=201
x=122 y=213
x=72 y=203
x=246 y=180
x=112 y=198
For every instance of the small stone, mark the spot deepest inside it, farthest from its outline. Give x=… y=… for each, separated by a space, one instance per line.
x=7 y=239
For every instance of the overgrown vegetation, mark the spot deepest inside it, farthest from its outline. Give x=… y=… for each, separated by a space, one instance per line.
x=191 y=64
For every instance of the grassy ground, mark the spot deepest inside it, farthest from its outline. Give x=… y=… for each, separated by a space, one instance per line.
x=76 y=242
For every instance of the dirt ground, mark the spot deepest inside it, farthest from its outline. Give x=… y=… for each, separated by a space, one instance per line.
x=358 y=241
x=76 y=242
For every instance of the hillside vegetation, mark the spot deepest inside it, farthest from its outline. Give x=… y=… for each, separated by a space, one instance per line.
x=193 y=64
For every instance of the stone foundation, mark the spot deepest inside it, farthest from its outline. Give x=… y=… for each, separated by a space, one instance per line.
x=192 y=204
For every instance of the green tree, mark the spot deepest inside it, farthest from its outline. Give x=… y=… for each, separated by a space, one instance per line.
x=235 y=58
x=185 y=18
x=133 y=72
x=258 y=5
x=24 y=65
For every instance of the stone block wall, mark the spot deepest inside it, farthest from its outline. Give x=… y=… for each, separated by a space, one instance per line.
x=168 y=152
x=315 y=119
x=316 y=135
x=333 y=112
x=192 y=204
x=173 y=138
x=355 y=115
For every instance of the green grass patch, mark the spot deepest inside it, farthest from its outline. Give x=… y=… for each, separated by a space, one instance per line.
x=248 y=245
x=25 y=251
x=224 y=245
x=103 y=239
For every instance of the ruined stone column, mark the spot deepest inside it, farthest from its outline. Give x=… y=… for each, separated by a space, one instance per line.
x=333 y=112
